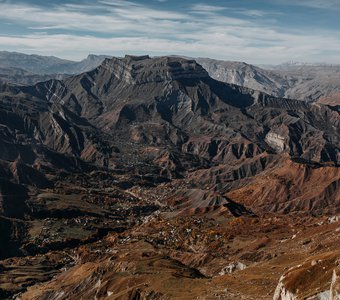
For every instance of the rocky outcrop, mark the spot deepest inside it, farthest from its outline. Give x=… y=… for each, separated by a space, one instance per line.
x=143 y=69
x=281 y=293
x=235 y=266
x=276 y=141
x=314 y=279
x=334 y=292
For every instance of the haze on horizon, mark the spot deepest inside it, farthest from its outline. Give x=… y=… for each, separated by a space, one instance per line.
x=255 y=31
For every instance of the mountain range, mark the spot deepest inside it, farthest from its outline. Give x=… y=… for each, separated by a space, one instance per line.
x=146 y=178
x=24 y=69
x=47 y=65
x=307 y=82
x=311 y=83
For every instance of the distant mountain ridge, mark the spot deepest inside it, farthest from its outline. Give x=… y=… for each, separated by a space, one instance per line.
x=301 y=81
x=243 y=74
x=305 y=82
x=22 y=77
x=47 y=65
x=293 y=64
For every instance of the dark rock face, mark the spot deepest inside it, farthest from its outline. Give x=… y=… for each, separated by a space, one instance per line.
x=12 y=199
x=12 y=235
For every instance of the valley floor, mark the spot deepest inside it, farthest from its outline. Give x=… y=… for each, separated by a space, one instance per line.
x=150 y=252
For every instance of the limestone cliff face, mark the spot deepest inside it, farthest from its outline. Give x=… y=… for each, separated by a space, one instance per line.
x=143 y=69
x=276 y=141
x=281 y=293
x=334 y=292
x=315 y=279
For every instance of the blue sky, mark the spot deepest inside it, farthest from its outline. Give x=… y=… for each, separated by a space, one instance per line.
x=255 y=31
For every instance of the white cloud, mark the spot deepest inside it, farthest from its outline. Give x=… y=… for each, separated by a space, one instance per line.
x=317 y=4
x=118 y=27
x=207 y=8
x=118 y=17
x=252 y=12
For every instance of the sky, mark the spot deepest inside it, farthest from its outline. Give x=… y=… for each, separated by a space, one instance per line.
x=254 y=31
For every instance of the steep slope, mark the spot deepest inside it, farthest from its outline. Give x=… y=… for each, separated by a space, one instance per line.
x=311 y=82
x=29 y=122
x=180 y=95
x=289 y=186
x=315 y=279
x=303 y=82
x=246 y=75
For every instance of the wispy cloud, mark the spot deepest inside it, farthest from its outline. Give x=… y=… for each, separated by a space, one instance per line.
x=252 y=12
x=317 y=4
x=207 y=8
x=112 y=17
x=118 y=27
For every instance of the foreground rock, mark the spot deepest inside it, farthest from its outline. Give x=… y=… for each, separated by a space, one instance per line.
x=315 y=279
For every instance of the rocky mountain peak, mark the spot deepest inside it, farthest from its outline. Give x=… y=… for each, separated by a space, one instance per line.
x=136 y=57
x=92 y=57
x=143 y=69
